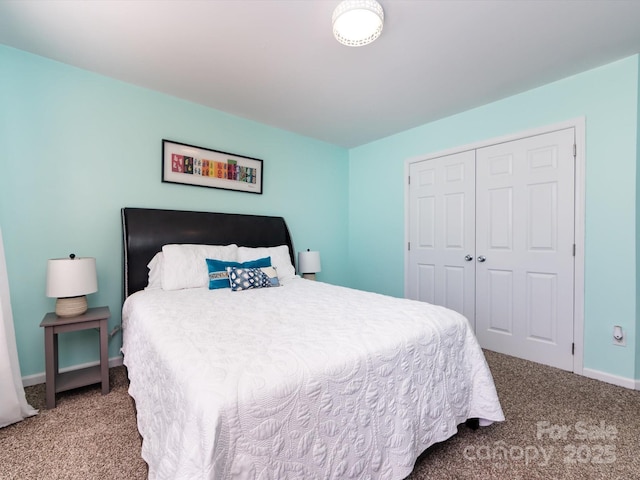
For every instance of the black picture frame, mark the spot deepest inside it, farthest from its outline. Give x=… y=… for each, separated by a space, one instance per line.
x=203 y=167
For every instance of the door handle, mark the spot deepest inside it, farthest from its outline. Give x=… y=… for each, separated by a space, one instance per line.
x=468 y=258
x=482 y=258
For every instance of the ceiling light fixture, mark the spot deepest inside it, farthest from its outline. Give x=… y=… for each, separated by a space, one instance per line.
x=357 y=22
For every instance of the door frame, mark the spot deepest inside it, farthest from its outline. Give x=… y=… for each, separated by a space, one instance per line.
x=579 y=126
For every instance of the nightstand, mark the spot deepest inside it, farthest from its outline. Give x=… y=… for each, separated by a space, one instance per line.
x=60 y=382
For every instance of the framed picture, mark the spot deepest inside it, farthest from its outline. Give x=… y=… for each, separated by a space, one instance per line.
x=191 y=165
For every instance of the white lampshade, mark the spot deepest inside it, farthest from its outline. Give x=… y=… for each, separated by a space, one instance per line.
x=357 y=22
x=69 y=280
x=309 y=262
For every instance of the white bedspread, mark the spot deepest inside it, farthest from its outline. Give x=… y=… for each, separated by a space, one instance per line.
x=304 y=381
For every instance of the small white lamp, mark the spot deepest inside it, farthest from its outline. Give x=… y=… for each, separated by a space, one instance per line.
x=309 y=264
x=70 y=280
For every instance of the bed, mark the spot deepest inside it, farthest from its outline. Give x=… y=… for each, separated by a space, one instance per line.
x=306 y=380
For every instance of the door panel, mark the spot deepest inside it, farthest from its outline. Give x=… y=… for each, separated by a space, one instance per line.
x=426 y=283
x=499 y=219
x=426 y=212
x=543 y=215
x=541 y=306
x=525 y=225
x=454 y=220
x=454 y=291
x=500 y=301
x=442 y=232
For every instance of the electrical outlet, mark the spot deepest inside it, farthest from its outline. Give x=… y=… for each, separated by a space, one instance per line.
x=618 y=336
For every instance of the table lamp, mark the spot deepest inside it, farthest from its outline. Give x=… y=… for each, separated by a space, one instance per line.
x=309 y=264
x=70 y=280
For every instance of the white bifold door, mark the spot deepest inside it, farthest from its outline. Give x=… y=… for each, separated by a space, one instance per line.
x=442 y=233
x=491 y=235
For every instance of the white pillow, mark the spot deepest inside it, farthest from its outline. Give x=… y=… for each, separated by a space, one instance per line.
x=185 y=266
x=279 y=258
x=155 y=271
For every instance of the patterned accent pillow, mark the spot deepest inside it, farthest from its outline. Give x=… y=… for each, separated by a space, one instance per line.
x=246 y=278
x=218 y=275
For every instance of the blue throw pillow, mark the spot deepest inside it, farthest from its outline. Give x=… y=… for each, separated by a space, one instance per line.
x=218 y=275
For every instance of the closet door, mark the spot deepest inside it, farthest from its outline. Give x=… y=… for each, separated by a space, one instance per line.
x=525 y=248
x=442 y=232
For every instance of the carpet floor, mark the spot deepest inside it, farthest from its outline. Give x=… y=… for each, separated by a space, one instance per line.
x=558 y=426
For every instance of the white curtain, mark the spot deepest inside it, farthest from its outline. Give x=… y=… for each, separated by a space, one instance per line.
x=13 y=404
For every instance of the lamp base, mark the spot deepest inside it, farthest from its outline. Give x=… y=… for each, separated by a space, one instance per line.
x=71 y=306
x=309 y=276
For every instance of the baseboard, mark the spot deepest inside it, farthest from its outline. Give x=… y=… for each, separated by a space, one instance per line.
x=629 y=383
x=37 y=378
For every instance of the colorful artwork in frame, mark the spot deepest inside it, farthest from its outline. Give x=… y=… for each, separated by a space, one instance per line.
x=191 y=165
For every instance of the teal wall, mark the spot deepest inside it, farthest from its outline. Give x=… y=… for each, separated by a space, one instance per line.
x=76 y=147
x=608 y=98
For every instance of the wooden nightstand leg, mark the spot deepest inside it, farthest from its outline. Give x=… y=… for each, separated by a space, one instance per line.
x=51 y=366
x=104 y=356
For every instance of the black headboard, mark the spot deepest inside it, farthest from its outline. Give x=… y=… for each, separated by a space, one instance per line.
x=146 y=230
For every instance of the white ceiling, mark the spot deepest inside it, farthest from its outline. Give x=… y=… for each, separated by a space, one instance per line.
x=276 y=61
